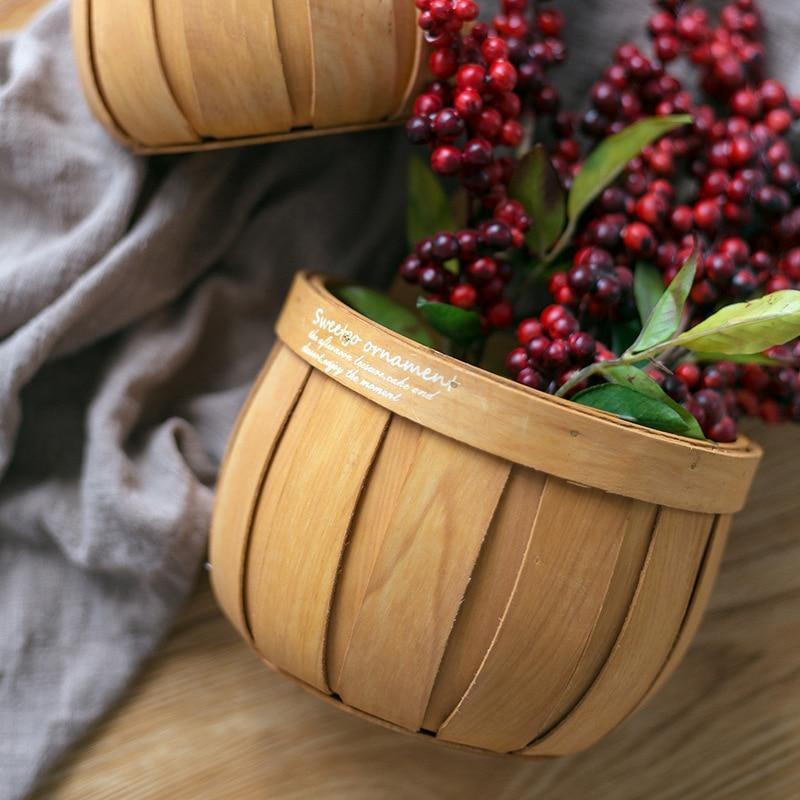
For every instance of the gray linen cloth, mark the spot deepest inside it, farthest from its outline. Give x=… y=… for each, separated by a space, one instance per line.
x=136 y=304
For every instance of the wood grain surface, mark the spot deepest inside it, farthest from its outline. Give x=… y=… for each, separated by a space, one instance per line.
x=206 y=721
x=15 y=13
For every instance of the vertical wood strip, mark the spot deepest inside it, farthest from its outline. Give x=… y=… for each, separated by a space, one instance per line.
x=224 y=64
x=375 y=512
x=302 y=522
x=419 y=579
x=354 y=71
x=573 y=549
x=407 y=36
x=250 y=451
x=627 y=572
x=489 y=591
x=648 y=636
x=84 y=56
x=131 y=76
x=293 y=25
x=702 y=594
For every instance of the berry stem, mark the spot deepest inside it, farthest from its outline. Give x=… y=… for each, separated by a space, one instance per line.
x=627 y=359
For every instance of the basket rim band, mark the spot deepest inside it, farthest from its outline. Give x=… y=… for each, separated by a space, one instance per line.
x=499 y=416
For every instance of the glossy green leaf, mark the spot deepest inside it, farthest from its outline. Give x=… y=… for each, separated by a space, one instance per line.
x=633 y=406
x=429 y=209
x=648 y=286
x=623 y=335
x=611 y=156
x=385 y=311
x=747 y=328
x=753 y=358
x=640 y=381
x=457 y=324
x=537 y=186
x=665 y=318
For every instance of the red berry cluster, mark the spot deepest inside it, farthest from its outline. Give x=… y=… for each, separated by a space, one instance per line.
x=551 y=349
x=741 y=176
x=466 y=269
x=487 y=80
x=728 y=183
x=718 y=395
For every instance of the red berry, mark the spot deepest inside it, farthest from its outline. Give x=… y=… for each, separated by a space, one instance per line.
x=466 y=10
x=468 y=102
x=471 y=76
x=516 y=360
x=582 y=347
x=446 y=160
x=443 y=63
x=723 y=431
x=530 y=378
x=557 y=355
x=503 y=75
x=689 y=374
x=500 y=315
x=528 y=330
x=494 y=48
x=550 y=22
x=707 y=215
x=464 y=296
x=639 y=239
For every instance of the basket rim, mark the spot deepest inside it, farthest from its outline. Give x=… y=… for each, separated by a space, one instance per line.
x=731 y=467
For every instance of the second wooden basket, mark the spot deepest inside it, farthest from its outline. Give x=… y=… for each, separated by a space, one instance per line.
x=171 y=75
x=446 y=552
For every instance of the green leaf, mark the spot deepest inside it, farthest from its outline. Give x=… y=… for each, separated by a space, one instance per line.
x=537 y=186
x=640 y=381
x=610 y=157
x=753 y=358
x=648 y=286
x=429 y=209
x=633 y=406
x=747 y=328
x=462 y=326
x=665 y=318
x=385 y=311
x=623 y=335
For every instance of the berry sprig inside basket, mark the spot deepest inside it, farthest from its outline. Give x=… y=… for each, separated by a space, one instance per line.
x=647 y=250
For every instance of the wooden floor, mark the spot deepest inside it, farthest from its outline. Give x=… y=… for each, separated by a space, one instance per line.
x=207 y=722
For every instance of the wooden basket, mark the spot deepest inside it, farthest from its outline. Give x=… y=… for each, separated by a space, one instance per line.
x=174 y=75
x=447 y=552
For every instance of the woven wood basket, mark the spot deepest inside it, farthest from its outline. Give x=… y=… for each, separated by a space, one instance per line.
x=444 y=551
x=175 y=75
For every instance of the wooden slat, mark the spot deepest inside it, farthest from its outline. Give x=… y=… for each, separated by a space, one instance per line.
x=419 y=73
x=130 y=73
x=699 y=603
x=84 y=57
x=224 y=65
x=354 y=70
x=293 y=26
x=419 y=579
x=489 y=591
x=537 y=430
x=407 y=39
x=632 y=555
x=573 y=550
x=647 y=638
x=250 y=451
x=302 y=521
x=372 y=519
